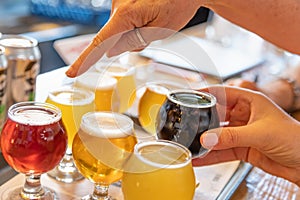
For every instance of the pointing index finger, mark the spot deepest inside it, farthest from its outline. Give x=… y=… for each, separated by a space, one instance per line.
x=103 y=41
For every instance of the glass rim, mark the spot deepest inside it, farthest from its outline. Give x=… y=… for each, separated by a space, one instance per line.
x=163 y=143
x=57 y=115
x=125 y=130
x=90 y=96
x=213 y=100
x=102 y=67
x=165 y=83
x=33 y=42
x=153 y=85
x=110 y=81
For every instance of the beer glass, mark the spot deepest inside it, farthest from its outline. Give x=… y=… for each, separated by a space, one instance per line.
x=104 y=88
x=184 y=116
x=73 y=103
x=159 y=170
x=101 y=147
x=126 y=86
x=33 y=141
x=149 y=105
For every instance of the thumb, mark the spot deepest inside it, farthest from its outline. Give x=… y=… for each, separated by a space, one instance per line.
x=230 y=137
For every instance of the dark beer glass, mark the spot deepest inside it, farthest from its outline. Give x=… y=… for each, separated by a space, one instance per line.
x=184 y=116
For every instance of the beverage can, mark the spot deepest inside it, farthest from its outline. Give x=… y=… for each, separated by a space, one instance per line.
x=3 y=86
x=23 y=65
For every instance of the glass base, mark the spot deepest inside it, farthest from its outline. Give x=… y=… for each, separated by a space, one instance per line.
x=17 y=194
x=91 y=197
x=66 y=171
x=66 y=174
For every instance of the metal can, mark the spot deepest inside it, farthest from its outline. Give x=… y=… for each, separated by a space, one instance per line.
x=3 y=87
x=23 y=58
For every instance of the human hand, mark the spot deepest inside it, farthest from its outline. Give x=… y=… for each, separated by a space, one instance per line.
x=259 y=132
x=155 y=19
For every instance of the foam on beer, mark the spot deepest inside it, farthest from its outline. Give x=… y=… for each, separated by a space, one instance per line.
x=158 y=89
x=94 y=80
x=35 y=115
x=71 y=96
x=106 y=125
x=114 y=69
x=162 y=154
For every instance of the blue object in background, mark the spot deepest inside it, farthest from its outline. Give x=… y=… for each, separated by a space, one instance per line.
x=93 y=12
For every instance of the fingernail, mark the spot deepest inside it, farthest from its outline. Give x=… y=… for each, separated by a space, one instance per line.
x=210 y=139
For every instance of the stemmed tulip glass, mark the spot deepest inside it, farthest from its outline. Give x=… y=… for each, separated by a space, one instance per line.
x=73 y=103
x=33 y=141
x=101 y=148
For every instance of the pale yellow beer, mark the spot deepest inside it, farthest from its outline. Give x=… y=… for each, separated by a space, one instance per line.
x=104 y=88
x=73 y=103
x=159 y=170
x=126 y=85
x=149 y=105
x=102 y=146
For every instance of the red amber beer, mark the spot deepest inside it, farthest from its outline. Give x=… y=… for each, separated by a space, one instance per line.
x=33 y=139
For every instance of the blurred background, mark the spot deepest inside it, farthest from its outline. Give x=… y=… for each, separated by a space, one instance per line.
x=49 y=20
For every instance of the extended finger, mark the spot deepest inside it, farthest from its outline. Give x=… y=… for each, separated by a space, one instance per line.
x=104 y=40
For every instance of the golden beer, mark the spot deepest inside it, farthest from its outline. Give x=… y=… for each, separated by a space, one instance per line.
x=102 y=146
x=73 y=103
x=149 y=105
x=104 y=87
x=159 y=170
x=126 y=85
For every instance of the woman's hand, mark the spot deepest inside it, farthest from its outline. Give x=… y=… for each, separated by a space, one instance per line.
x=155 y=19
x=259 y=132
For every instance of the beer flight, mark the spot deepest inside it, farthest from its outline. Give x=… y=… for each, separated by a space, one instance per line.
x=83 y=131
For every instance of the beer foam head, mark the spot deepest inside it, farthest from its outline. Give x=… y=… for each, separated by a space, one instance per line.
x=71 y=96
x=163 y=154
x=114 y=69
x=94 y=80
x=106 y=124
x=34 y=113
x=156 y=88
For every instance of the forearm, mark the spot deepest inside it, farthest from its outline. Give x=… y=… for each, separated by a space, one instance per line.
x=274 y=20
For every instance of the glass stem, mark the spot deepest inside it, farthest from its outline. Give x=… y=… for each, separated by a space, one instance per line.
x=100 y=192
x=32 y=188
x=67 y=161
